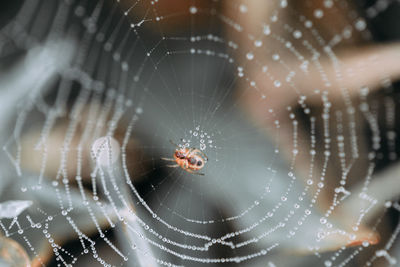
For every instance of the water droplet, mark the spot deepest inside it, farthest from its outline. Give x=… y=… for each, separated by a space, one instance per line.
x=250 y=56
x=360 y=24
x=267 y=30
x=275 y=57
x=243 y=8
x=297 y=34
x=277 y=83
x=318 y=13
x=193 y=10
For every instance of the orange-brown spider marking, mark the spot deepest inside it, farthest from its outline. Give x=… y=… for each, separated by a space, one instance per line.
x=189 y=159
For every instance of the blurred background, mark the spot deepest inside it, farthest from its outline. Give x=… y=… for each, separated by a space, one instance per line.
x=293 y=103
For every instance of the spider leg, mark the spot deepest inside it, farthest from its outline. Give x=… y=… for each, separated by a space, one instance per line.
x=167 y=159
x=173 y=143
x=186 y=166
x=173 y=166
x=197 y=173
x=201 y=153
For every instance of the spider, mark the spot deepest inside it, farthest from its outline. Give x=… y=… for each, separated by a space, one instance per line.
x=189 y=159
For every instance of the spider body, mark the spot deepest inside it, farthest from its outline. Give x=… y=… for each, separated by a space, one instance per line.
x=189 y=159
